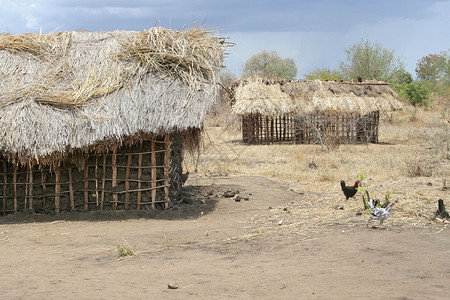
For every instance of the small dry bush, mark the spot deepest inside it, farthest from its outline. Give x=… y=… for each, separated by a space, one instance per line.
x=417 y=167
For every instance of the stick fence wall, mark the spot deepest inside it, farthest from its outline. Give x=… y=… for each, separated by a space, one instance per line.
x=133 y=176
x=315 y=128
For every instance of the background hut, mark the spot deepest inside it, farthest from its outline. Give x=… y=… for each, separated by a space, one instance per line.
x=311 y=111
x=98 y=120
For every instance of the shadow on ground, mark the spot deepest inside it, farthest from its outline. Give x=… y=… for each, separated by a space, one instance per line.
x=194 y=202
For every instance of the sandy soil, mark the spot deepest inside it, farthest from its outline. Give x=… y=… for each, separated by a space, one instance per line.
x=204 y=248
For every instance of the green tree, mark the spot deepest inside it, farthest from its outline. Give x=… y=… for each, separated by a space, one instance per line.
x=416 y=93
x=324 y=74
x=435 y=69
x=270 y=65
x=367 y=60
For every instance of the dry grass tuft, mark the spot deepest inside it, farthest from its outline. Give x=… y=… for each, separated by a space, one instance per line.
x=43 y=46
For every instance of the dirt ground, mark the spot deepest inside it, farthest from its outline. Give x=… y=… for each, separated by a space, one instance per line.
x=211 y=248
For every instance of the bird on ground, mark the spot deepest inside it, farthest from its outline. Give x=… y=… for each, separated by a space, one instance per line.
x=349 y=191
x=379 y=213
x=442 y=212
x=184 y=178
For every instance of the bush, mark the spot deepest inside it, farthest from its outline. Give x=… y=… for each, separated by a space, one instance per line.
x=417 y=93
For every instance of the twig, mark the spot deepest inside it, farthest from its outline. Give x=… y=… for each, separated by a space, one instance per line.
x=445 y=226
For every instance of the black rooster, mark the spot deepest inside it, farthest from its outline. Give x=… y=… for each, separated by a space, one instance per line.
x=184 y=178
x=441 y=212
x=349 y=191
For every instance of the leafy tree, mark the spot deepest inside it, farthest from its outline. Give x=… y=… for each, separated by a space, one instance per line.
x=435 y=69
x=324 y=74
x=401 y=77
x=367 y=60
x=270 y=65
x=416 y=93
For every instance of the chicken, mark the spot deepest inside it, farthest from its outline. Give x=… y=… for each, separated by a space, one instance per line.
x=442 y=212
x=184 y=178
x=349 y=191
x=379 y=213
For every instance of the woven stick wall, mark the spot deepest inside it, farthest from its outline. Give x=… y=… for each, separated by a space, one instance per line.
x=133 y=176
x=318 y=127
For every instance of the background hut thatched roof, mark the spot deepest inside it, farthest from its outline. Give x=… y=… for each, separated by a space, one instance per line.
x=272 y=98
x=70 y=90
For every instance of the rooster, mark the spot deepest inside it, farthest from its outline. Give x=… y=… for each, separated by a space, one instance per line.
x=349 y=191
x=184 y=178
x=379 y=213
x=442 y=212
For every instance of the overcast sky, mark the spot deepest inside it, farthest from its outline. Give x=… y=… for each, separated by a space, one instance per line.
x=314 y=33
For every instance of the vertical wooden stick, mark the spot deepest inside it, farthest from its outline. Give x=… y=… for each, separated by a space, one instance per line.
x=4 y=186
x=127 y=181
x=166 y=170
x=30 y=190
x=114 y=178
x=44 y=187
x=26 y=189
x=103 y=182
x=153 y=164
x=86 y=184
x=257 y=128
x=268 y=137
x=57 y=189
x=96 y=181
x=139 y=193
x=15 y=186
x=71 y=197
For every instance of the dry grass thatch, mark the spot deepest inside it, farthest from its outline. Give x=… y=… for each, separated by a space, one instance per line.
x=189 y=53
x=271 y=98
x=69 y=90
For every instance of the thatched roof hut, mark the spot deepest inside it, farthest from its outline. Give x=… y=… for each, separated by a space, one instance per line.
x=256 y=99
x=77 y=94
x=272 y=98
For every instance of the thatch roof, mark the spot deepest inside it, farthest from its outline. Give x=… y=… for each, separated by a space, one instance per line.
x=70 y=90
x=273 y=98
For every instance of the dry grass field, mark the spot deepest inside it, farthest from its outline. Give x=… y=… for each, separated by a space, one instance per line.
x=410 y=164
x=296 y=237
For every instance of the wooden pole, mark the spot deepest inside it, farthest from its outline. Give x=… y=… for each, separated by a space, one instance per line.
x=30 y=190
x=127 y=181
x=15 y=186
x=43 y=183
x=26 y=189
x=139 y=193
x=86 y=185
x=103 y=182
x=166 y=170
x=57 y=189
x=5 y=181
x=257 y=128
x=96 y=181
x=114 y=178
x=153 y=163
x=71 y=197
